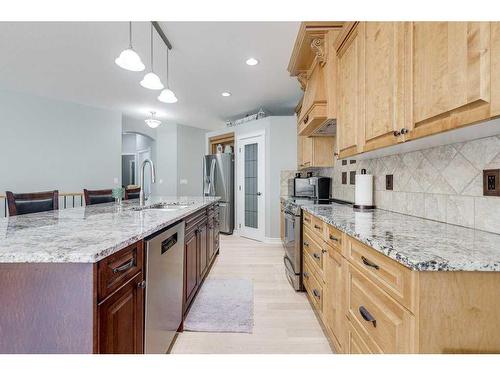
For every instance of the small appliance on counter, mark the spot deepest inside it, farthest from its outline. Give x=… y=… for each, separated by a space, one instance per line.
x=363 y=193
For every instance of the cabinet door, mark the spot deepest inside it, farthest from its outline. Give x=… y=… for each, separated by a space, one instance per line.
x=211 y=240
x=383 y=94
x=451 y=75
x=349 y=88
x=202 y=250
x=191 y=267
x=307 y=152
x=335 y=321
x=121 y=320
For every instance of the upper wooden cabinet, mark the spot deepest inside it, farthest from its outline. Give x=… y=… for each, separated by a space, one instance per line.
x=315 y=152
x=313 y=62
x=399 y=81
x=451 y=75
x=349 y=52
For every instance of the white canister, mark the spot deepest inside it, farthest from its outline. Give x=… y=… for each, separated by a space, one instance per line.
x=363 y=193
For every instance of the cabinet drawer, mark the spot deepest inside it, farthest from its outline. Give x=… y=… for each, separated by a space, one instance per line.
x=356 y=345
x=318 y=226
x=117 y=269
x=307 y=219
x=378 y=318
x=333 y=237
x=315 y=252
x=391 y=276
x=313 y=287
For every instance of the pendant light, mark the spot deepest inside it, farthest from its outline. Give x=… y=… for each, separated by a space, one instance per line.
x=151 y=80
x=167 y=95
x=152 y=122
x=129 y=59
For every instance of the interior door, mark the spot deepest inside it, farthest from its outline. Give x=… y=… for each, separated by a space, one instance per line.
x=251 y=184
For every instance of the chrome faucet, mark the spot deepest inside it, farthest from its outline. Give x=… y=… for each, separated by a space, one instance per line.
x=153 y=178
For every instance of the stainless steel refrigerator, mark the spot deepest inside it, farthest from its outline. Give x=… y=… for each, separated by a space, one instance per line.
x=218 y=181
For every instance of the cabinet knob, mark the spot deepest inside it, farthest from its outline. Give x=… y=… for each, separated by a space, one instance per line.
x=396 y=133
x=306 y=119
x=404 y=131
x=142 y=284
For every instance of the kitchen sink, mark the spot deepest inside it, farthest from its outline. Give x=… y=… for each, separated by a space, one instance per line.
x=167 y=207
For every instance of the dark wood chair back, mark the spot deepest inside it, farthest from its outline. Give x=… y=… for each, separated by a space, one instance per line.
x=132 y=193
x=98 y=196
x=28 y=203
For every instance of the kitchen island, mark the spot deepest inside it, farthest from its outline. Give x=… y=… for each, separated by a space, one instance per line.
x=72 y=281
x=383 y=282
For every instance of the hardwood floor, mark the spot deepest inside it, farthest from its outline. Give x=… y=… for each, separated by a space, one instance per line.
x=284 y=322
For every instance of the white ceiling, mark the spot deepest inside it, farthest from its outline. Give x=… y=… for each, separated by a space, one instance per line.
x=75 y=62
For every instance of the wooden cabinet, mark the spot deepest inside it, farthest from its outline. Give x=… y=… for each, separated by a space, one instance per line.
x=369 y=303
x=315 y=152
x=451 y=75
x=201 y=244
x=350 y=86
x=382 y=68
x=121 y=319
x=190 y=267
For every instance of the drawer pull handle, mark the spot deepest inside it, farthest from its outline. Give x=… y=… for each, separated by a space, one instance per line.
x=324 y=251
x=316 y=294
x=367 y=316
x=317 y=226
x=306 y=244
x=333 y=238
x=317 y=256
x=369 y=264
x=306 y=275
x=307 y=219
x=142 y=284
x=125 y=266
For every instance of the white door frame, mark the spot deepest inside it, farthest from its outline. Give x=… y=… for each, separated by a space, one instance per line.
x=241 y=140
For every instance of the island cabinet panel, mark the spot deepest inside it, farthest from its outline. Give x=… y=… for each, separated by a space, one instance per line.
x=202 y=236
x=451 y=75
x=121 y=320
x=47 y=308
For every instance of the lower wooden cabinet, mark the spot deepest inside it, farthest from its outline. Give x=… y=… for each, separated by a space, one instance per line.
x=190 y=267
x=121 y=319
x=369 y=303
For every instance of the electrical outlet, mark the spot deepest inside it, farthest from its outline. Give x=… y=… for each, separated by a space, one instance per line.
x=344 y=178
x=491 y=182
x=389 y=182
x=352 y=177
x=344 y=162
x=352 y=161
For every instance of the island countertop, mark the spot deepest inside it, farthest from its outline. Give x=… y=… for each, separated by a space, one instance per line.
x=87 y=234
x=417 y=243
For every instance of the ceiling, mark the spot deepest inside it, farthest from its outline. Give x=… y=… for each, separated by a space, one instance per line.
x=74 y=61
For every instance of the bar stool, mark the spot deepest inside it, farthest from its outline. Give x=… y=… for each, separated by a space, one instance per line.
x=28 y=203
x=98 y=196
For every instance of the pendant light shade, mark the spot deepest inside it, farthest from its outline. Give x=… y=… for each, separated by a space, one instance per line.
x=129 y=59
x=151 y=80
x=152 y=122
x=167 y=95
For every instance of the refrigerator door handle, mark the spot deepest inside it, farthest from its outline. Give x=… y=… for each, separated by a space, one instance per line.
x=212 y=173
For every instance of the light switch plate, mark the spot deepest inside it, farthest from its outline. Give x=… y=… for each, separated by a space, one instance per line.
x=183 y=181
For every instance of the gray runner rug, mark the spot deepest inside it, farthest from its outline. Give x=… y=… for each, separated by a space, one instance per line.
x=222 y=305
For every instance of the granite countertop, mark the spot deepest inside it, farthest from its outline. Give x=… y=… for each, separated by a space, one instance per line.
x=419 y=244
x=87 y=234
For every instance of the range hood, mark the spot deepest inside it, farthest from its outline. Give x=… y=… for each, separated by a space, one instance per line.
x=328 y=128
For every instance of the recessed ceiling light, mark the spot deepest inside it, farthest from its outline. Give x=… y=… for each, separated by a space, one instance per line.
x=251 y=61
x=226 y=93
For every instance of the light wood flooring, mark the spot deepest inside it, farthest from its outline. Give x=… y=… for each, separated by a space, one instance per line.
x=284 y=321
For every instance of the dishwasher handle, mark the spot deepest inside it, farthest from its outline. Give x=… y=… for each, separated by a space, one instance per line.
x=168 y=243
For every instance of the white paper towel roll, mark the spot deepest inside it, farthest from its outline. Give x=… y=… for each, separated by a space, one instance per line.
x=363 y=194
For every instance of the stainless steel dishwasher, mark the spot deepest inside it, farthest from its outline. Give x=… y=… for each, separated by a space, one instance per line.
x=164 y=283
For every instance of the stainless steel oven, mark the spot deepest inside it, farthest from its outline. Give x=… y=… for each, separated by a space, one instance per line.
x=292 y=244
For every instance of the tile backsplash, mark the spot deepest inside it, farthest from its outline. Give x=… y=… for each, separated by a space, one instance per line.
x=443 y=183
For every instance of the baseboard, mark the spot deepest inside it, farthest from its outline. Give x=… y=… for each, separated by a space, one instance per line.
x=272 y=240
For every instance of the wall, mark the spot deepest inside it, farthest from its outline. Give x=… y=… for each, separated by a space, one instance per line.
x=50 y=144
x=442 y=183
x=281 y=153
x=190 y=152
x=166 y=160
